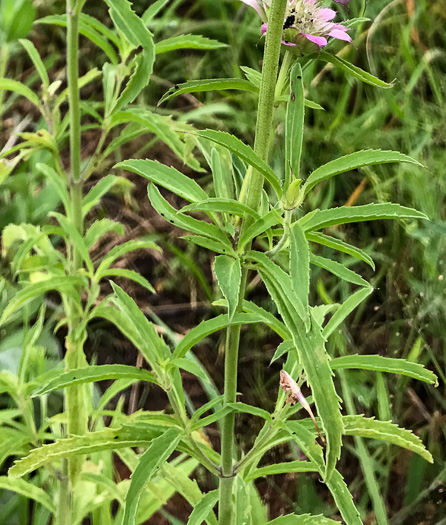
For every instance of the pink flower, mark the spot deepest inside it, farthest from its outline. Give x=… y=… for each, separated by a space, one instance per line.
x=304 y=18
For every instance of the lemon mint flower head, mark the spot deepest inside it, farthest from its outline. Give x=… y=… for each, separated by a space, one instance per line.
x=304 y=19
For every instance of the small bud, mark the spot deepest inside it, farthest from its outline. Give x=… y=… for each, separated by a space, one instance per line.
x=294 y=196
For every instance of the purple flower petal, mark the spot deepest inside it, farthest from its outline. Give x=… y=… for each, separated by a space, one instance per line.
x=264 y=28
x=340 y=35
x=326 y=14
x=319 y=40
x=255 y=4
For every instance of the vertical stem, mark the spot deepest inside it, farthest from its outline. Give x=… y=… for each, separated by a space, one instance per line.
x=254 y=192
x=75 y=402
x=4 y=56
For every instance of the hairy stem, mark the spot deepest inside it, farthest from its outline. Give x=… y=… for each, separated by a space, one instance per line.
x=254 y=192
x=75 y=399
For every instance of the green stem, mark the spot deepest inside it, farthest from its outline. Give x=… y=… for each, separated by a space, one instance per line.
x=75 y=398
x=4 y=56
x=254 y=192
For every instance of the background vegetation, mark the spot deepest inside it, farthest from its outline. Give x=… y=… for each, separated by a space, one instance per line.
x=405 y=317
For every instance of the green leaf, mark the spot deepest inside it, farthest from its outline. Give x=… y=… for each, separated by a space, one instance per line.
x=156 y=454
x=37 y=61
x=88 y=27
x=99 y=228
x=345 y=309
x=215 y=84
x=242 y=408
x=343 y=499
x=109 y=439
x=7 y=84
x=74 y=237
x=209 y=420
x=382 y=430
x=122 y=249
x=191 y=367
x=346 y=214
x=162 y=126
x=300 y=264
x=302 y=519
x=352 y=70
x=183 y=221
x=29 y=491
x=93 y=197
x=283 y=281
x=215 y=245
x=339 y=270
x=244 y=152
x=16 y=18
x=281 y=468
x=228 y=272
x=139 y=79
x=294 y=125
x=187 y=42
x=311 y=351
x=337 y=244
x=58 y=184
x=213 y=204
x=267 y=318
x=354 y=161
x=203 y=508
x=258 y=227
x=62 y=284
x=150 y=13
x=220 y=162
x=129 y=274
x=92 y=374
x=205 y=328
x=390 y=365
x=129 y=23
x=167 y=177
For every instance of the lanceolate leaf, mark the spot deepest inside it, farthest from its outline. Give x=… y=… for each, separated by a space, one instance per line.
x=28 y=490
x=157 y=453
x=345 y=309
x=294 y=125
x=337 y=244
x=7 y=84
x=258 y=227
x=108 y=439
x=229 y=274
x=184 y=221
x=282 y=468
x=167 y=177
x=215 y=245
x=61 y=284
x=381 y=430
x=92 y=374
x=300 y=264
x=216 y=84
x=205 y=328
x=379 y=363
x=131 y=275
x=346 y=214
x=312 y=355
x=339 y=490
x=187 y=42
x=302 y=519
x=386 y=431
x=122 y=249
x=129 y=23
x=244 y=152
x=203 y=508
x=339 y=270
x=354 y=161
x=94 y=196
x=357 y=72
x=230 y=206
